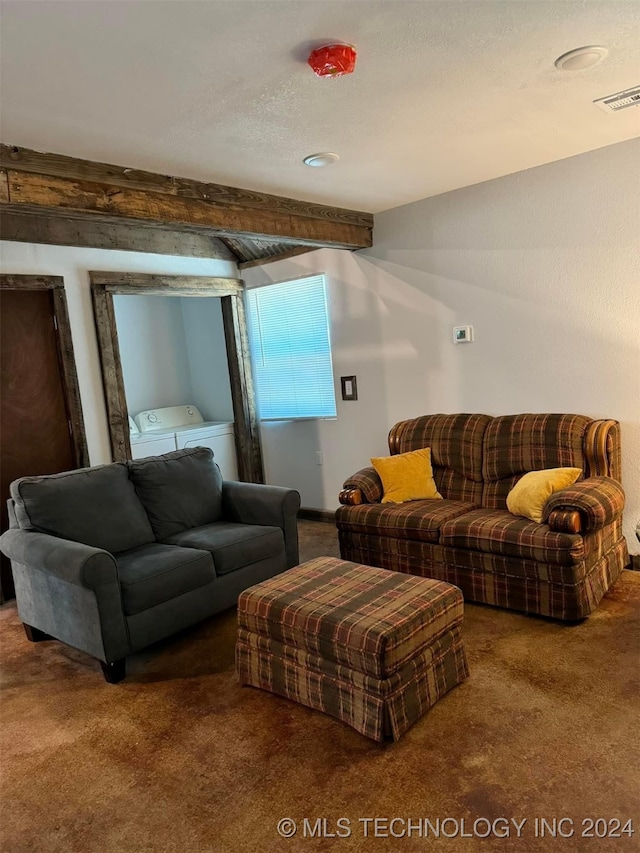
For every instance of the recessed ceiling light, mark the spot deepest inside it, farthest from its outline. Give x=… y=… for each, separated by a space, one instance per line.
x=324 y=159
x=581 y=57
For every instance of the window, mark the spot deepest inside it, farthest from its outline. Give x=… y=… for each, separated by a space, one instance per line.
x=290 y=349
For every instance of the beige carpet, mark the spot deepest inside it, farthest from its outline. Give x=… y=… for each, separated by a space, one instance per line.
x=180 y=758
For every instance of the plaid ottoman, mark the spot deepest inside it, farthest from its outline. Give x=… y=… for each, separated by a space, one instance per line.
x=371 y=647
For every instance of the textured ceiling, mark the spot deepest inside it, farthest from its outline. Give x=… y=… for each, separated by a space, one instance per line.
x=445 y=94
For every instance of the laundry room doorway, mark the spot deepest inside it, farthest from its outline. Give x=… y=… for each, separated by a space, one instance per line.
x=170 y=346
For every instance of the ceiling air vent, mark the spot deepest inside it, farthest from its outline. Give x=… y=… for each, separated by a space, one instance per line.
x=619 y=101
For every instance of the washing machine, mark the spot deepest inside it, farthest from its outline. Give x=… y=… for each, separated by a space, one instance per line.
x=148 y=444
x=187 y=428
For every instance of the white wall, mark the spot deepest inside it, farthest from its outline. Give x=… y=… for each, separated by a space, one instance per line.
x=73 y=264
x=173 y=352
x=153 y=352
x=207 y=356
x=545 y=264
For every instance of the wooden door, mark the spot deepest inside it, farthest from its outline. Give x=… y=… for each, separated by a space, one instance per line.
x=35 y=423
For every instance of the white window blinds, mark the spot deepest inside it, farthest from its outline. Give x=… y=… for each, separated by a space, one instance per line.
x=291 y=350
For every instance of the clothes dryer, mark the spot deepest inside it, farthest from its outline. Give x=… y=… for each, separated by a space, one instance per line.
x=187 y=428
x=218 y=435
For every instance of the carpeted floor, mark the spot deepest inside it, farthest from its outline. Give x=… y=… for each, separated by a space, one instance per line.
x=180 y=758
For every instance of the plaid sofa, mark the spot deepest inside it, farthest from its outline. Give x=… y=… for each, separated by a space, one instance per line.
x=561 y=568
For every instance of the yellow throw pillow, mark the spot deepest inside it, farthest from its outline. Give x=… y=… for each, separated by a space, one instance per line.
x=530 y=493
x=406 y=476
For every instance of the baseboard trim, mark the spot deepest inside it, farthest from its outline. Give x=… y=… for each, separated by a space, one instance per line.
x=326 y=515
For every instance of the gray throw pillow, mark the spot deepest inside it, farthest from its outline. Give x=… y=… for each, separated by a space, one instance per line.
x=179 y=490
x=96 y=506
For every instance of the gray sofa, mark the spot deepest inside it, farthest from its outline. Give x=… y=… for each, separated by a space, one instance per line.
x=113 y=558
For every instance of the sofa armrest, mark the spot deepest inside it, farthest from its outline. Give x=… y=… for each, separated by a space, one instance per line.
x=565 y=521
x=70 y=561
x=70 y=591
x=598 y=500
x=254 y=503
x=365 y=486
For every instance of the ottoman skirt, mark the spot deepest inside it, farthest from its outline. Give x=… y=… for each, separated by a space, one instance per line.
x=375 y=707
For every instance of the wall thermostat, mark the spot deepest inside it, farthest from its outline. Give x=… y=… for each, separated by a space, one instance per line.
x=462 y=334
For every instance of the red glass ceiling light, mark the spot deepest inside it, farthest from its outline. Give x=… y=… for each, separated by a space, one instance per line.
x=333 y=60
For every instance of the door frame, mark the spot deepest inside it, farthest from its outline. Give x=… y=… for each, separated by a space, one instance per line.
x=106 y=285
x=70 y=386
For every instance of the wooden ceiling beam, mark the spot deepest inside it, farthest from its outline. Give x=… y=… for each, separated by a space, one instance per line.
x=46 y=194
x=36 y=182
x=92 y=233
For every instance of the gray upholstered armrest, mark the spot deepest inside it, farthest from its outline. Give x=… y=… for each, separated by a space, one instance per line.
x=71 y=561
x=254 y=503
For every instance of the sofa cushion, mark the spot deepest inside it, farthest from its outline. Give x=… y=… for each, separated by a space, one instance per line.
x=96 y=506
x=517 y=444
x=499 y=532
x=153 y=574
x=420 y=520
x=456 y=443
x=179 y=490
x=596 y=545
x=231 y=545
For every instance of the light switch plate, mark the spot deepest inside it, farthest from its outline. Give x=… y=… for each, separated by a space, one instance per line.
x=349 y=387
